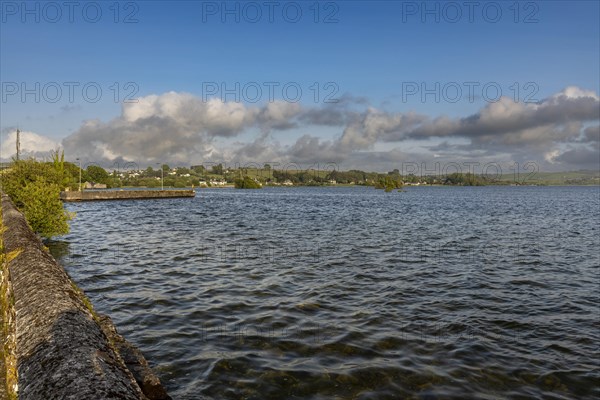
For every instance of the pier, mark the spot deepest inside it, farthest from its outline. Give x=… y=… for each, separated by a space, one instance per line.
x=99 y=195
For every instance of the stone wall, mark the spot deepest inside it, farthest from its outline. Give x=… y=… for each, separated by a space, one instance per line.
x=64 y=349
x=93 y=195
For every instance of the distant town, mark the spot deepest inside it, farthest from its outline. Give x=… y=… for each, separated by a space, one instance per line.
x=218 y=176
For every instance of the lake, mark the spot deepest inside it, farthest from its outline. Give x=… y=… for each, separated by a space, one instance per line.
x=352 y=293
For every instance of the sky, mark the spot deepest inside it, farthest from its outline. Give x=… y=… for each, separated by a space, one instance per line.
x=361 y=85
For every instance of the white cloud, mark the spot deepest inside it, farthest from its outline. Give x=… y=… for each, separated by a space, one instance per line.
x=31 y=144
x=181 y=128
x=574 y=92
x=551 y=156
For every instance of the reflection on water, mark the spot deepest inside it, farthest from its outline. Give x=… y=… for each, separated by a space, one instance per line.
x=60 y=249
x=343 y=293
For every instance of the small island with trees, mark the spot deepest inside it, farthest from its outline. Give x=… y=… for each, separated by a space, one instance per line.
x=247 y=183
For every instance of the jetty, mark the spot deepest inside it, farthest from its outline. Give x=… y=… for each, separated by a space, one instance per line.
x=98 y=195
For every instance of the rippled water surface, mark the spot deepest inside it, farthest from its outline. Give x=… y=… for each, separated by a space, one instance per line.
x=352 y=293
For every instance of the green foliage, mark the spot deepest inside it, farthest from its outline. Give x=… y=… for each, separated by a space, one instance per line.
x=97 y=174
x=114 y=183
x=309 y=178
x=198 y=169
x=217 y=169
x=152 y=183
x=180 y=183
x=58 y=162
x=247 y=183
x=169 y=181
x=352 y=176
x=464 y=179
x=8 y=359
x=35 y=187
x=26 y=171
x=389 y=182
x=44 y=210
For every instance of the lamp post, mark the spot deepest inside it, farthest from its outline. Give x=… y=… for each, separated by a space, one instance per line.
x=162 y=177
x=79 y=173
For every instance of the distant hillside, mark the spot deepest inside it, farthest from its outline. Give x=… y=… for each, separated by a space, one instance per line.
x=554 y=178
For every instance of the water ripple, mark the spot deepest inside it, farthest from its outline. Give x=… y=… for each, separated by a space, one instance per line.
x=337 y=293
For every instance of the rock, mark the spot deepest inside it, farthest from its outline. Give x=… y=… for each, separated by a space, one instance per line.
x=134 y=361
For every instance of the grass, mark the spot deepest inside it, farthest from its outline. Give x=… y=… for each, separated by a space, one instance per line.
x=8 y=361
x=553 y=178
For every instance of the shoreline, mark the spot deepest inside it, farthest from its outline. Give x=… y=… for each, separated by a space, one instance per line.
x=341 y=186
x=63 y=348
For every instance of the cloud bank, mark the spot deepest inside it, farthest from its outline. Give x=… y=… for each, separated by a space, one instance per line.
x=560 y=132
x=32 y=144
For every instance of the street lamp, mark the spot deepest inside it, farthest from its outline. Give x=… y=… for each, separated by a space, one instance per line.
x=79 y=173
x=162 y=177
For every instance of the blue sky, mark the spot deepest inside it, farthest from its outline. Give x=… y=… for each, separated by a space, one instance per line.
x=370 y=53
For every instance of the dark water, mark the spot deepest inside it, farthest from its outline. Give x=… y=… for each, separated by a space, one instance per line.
x=352 y=293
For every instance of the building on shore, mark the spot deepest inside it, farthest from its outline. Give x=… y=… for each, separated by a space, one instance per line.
x=94 y=185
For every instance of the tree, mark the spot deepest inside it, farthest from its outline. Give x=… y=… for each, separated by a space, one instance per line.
x=199 y=169
x=97 y=174
x=217 y=169
x=247 y=183
x=179 y=183
x=388 y=183
x=63 y=175
x=72 y=171
x=151 y=183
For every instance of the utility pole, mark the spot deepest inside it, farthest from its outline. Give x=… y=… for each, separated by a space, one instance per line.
x=18 y=143
x=77 y=159
x=162 y=177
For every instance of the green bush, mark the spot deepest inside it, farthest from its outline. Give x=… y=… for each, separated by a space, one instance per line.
x=388 y=183
x=179 y=183
x=44 y=210
x=34 y=188
x=247 y=183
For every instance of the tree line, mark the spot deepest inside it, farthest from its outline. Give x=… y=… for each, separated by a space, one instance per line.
x=35 y=186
